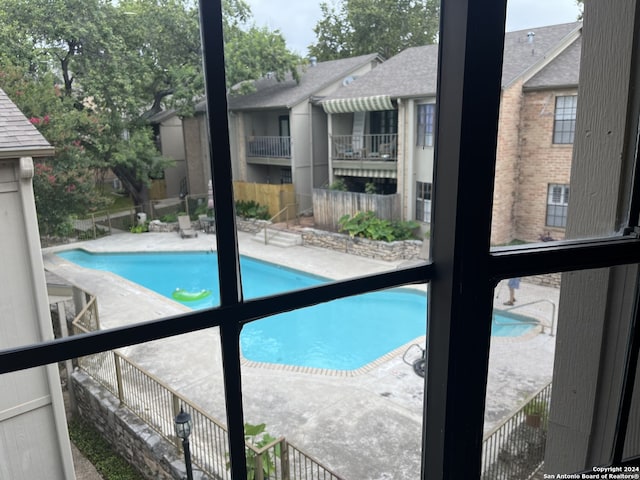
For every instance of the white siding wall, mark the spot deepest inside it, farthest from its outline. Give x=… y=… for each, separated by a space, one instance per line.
x=33 y=436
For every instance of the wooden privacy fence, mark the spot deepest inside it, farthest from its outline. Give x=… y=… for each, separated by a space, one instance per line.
x=330 y=205
x=275 y=197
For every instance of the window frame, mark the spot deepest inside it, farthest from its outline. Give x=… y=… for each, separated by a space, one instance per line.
x=564 y=129
x=463 y=187
x=425 y=124
x=424 y=193
x=562 y=205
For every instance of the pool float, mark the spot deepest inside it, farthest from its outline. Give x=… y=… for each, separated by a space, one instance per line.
x=183 y=295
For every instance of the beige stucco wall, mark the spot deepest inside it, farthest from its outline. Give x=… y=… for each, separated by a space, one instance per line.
x=173 y=147
x=415 y=164
x=196 y=146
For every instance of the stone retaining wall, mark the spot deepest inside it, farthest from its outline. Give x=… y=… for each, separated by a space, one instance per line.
x=388 y=251
x=161 y=227
x=546 y=280
x=251 y=225
x=153 y=456
x=248 y=225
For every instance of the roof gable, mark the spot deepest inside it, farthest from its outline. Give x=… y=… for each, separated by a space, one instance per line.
x=273 y=94
x=413 y=72
x=18 y=137
x=562 y=71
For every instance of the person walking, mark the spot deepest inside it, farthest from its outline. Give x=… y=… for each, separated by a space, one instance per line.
x=513 y=284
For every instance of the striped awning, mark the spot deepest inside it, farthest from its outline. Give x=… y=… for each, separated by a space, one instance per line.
x=365 y=172
x=361 y=104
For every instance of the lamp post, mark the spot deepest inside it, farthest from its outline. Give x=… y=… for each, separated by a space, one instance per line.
x=183 y=430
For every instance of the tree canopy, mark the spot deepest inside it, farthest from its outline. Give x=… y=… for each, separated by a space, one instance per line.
x=358 y=27
x=114 y=64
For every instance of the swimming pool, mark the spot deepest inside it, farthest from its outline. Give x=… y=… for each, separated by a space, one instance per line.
x=345 y=334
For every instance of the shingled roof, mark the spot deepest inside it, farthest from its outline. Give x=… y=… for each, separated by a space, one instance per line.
x=18 y=137
x=273 y=94
x=562 y=71
x=412 y=72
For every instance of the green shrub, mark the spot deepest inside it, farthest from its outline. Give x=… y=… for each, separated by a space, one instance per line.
x=100 y=453
x=139 y=228
x=257 y=437
x=339 y=184
x=252 y=209
x=368 y=225
x=370 y=188
x=169 y=218
x=405 y=230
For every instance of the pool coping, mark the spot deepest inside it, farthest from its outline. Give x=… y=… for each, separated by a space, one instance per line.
x=245 y=362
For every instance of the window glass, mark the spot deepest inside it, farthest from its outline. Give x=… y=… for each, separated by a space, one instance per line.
x=519 y=388
x=341 y=370
x=425 y=131
x=423 y=202
x=557 y=203
x=564 y=126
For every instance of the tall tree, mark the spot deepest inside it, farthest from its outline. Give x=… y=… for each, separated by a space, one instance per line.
x=63 y=186
x=357 y=27
x=125 y=60
x=252 y=52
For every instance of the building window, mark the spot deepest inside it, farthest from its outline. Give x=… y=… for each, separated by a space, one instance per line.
x=564 y=124
x=285 y=175
x=423 y=202
x=557 y=202
x=426 y=115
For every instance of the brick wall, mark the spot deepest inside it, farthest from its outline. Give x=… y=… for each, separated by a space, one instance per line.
x=541 y=163
x=507 y=154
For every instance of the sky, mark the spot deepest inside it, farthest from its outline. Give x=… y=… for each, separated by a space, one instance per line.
x=296 y=18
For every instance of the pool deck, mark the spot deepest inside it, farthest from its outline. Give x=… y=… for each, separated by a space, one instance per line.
x=364 y=426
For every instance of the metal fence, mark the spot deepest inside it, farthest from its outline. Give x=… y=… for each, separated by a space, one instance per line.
x=514 y=450
x=157 y=404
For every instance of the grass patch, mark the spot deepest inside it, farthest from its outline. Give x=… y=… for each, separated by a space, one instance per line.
x=121 y=202
x=102 y=455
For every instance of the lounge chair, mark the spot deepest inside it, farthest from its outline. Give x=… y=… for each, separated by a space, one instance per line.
x=185 y=227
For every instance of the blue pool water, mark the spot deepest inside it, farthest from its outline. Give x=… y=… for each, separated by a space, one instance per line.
x=344 y=334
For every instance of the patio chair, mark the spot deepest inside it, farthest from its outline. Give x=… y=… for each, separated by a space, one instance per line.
x=207 y=224
x=202 y=221
x=185 y=229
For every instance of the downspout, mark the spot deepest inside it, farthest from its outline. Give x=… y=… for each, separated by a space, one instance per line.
x=312 y=150
x=329 y=143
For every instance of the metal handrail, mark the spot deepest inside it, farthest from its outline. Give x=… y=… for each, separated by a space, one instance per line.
x=270 y=221
x=543 y=300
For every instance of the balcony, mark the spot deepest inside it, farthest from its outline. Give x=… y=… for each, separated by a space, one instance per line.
x=365 y=155
x=269 y=150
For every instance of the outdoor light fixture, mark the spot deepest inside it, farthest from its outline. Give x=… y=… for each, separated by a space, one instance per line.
x=183 y=430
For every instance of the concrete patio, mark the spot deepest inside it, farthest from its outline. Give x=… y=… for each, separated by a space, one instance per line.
x=365 y=426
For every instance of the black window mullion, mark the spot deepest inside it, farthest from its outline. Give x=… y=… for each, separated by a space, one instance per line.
x=460 y=294
x=226 y=233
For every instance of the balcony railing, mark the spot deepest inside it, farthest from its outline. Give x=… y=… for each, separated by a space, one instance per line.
x=383 y=147
x=272 y=147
